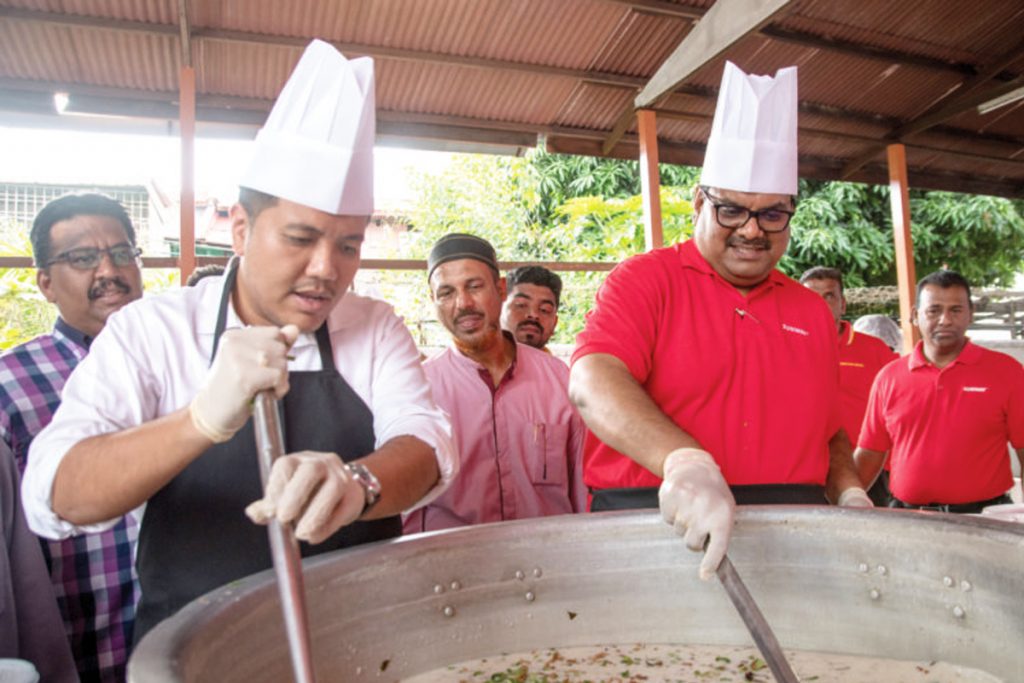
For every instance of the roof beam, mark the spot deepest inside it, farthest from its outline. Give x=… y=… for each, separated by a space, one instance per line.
x=599 y=77
x=663 y=8
x=185 y=29
x=969 y=95
x=249 y=112
x=725 y=24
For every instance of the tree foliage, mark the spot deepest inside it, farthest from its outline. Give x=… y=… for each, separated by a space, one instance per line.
x=549 y=207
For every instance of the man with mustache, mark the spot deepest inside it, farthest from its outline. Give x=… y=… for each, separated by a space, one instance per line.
x=88 y=266
x=520 y=440
x=157 y=420
x=706 y=376
x=944 y=413
x=530 y=312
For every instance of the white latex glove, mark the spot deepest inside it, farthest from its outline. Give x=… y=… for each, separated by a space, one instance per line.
x=315 y=490
x=695 y=499
x=855 y=497
x=248 y=361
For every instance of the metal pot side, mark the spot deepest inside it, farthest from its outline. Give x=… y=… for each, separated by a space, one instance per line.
x=897 y=584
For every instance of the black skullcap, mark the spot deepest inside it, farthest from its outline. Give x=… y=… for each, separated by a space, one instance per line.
x=459 y=245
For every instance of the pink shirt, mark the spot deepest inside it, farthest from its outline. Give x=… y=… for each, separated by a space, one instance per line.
x=520 y=445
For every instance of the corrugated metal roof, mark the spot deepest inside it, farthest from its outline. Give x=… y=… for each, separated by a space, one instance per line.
x=564 y=67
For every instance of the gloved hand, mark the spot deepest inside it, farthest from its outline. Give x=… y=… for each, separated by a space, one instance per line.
x=854 y=497
x=695 y=499
x=314 y=488
x=248 y=360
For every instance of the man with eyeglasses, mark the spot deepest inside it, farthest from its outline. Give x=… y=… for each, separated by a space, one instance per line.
x=157 y=420
x=706 y=376
x=88 y=265
x=943 y=414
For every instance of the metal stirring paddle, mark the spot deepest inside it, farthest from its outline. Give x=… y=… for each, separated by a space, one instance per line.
x=755 y=622
x=284 y=547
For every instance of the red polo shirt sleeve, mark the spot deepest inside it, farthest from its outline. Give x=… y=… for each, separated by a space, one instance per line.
x=624 y=320
x=874 y=434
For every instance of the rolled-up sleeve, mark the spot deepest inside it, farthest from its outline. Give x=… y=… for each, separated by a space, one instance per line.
x=105 y=393
x=400 y=396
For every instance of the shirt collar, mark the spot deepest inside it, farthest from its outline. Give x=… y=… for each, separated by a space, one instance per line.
x=75 y=335
x=846 y=332
x=469 y=362
x=969 y=355
x=690 y=257
x=210 y=291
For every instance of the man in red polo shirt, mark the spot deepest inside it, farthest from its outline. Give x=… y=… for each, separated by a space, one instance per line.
x=861 y=356
x=702 y=367
x=945 y=412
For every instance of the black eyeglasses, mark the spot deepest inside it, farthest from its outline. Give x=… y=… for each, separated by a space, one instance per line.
x=734 y=217
x=88 y=258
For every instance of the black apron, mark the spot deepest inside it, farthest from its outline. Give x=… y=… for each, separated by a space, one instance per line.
x=195 y=535
x=754 y=494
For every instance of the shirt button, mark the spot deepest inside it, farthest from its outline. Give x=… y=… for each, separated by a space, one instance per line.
x=744 y=423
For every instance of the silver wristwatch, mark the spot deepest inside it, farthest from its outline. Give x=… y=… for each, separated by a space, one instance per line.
x=366 y=479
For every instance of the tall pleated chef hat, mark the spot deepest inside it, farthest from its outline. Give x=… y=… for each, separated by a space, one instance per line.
x=316 y=148
x=752 y=147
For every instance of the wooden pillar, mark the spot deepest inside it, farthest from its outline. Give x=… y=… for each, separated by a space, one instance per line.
x=906 y=278
x=187 y=125
x=650 y=182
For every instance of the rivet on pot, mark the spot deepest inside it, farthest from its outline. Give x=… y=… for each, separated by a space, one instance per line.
x=947 y=581
x=959 y=612
x=448 y=611
x=438 y=589
x=359 y=671
x=530 y=597
x=882 y=571
x=537 y=572
x=965 y=585
x=455 y=585
x=875 y=595
x=862 y=568
x=520 y=575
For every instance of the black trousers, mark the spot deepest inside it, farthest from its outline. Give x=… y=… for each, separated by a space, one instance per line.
x=961 y=508
x=758 y=494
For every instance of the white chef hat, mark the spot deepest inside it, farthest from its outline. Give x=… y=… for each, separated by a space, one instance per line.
x=316 y=148
x=752 y=147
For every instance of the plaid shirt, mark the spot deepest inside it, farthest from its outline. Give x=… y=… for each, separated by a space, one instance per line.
x=93 y=575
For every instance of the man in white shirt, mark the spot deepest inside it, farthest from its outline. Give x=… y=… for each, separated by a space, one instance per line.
x=156 y=420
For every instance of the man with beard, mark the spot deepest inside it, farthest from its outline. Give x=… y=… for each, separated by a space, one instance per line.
x=519 y=438
x=157 y=419
x=945 y=412
x=702 y=369
x=88 y=265
x=531 y=309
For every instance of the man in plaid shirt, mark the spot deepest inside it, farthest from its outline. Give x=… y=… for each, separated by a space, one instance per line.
x=88 y=265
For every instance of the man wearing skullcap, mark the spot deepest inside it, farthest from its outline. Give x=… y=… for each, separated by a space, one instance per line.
x=156 y=420
x=520 y=439
x=706 y=376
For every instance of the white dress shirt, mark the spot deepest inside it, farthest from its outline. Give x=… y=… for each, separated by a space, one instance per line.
x=153 y=356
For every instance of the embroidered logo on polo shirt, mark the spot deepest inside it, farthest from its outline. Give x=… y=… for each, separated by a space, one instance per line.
x=976 y=390
x=851 y=364
x=795 y=330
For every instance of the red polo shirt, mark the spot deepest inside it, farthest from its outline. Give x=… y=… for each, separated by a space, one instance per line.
x=947 y=429
x=754 y=379
x=861 y=356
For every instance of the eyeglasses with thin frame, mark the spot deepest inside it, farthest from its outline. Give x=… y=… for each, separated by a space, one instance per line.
x=734 y=217
x=88 y=258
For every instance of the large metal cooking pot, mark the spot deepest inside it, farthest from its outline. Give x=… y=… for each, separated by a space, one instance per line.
x=887 y=583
